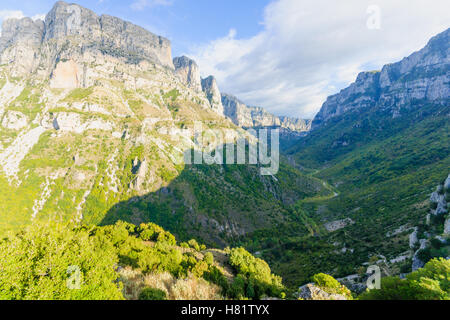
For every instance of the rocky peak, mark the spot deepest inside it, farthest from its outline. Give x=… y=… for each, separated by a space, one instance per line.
x=249 y=117
x=71 y=20
x=188 y=72
x=211 y=89
x=419 y=79
x=73 y=32
x=21 y=30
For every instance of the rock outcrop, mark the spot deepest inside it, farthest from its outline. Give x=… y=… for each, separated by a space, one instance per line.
x=211 y=89
x=188 y=72
x=439 y=202
x=14 y=120
x=447 y=184
x=413 y=239
x=417 y=263
x=447 y=227
x=312 y=292
x=418 y=79
x=250 y=117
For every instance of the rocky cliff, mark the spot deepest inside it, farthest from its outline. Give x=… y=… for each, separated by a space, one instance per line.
x=211 y=89
x=96 y=121
x=188 y=72
x=421 y=78
x=249 y=117
x=71 y=32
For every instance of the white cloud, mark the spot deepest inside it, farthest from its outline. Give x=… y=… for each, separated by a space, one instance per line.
x=142 y=4
x=311 y=49
x=40 y=16
x=10 y=14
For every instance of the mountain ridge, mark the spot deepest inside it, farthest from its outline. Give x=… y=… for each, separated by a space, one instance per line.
x=378 y=88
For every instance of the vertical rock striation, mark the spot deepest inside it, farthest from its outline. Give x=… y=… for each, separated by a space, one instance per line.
x=211 y=89
x=188 y=72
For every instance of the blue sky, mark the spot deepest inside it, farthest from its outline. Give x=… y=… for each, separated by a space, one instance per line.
x=284 y=55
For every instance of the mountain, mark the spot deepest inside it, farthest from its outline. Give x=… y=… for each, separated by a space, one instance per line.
x=255 y=117
x=96 y=120
x=382 y=144
x=419 y=79
x=98 y=124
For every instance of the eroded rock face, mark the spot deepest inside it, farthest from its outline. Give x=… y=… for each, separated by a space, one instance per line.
x=416 y=262
x=14 y=120
x=73 y=32
x=420 y=78
x=249 y=117
x=73 y=122
x=65 y=76
x=413 y=239
x=188 y=72
x=20 y=42
x=447 y=226
x=211 y=89
x=447 y=183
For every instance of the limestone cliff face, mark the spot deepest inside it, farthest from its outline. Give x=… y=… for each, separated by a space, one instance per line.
x=76 y=33
x=421 y=78
x=188 y=72
x=211 y=89
x=249 y=117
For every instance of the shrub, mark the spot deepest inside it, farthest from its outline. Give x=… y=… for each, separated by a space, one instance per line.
x=147 y=235
x=194 y=244
x=330 y=284
x=199 y=269
x=167 y=237
x=429 y=283
x=256 y=273
x=208 y=258
x=214 y=275
x=152 y=294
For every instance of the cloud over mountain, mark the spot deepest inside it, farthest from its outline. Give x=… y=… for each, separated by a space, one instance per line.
x=309 y=50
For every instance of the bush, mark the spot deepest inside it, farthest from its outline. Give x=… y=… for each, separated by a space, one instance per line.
x=209 y=258
x=199 y=269
x=330 y=284
x=152 y=294
x=429 y=283
x=194 y=244
x=256 y=273
x=214 y=275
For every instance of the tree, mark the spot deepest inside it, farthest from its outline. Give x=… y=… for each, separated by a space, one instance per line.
x=54 y=261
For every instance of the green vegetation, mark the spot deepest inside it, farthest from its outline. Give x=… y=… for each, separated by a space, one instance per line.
x=52 y=261
x=330 y=285
x=255 y=278
x=56 y=261
x=152 y=294
x=429 y=283
x=79 y=94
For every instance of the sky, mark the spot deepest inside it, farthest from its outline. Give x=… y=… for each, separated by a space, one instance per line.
x=284 y=55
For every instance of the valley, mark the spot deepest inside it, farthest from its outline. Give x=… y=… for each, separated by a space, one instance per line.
x=96 y=122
